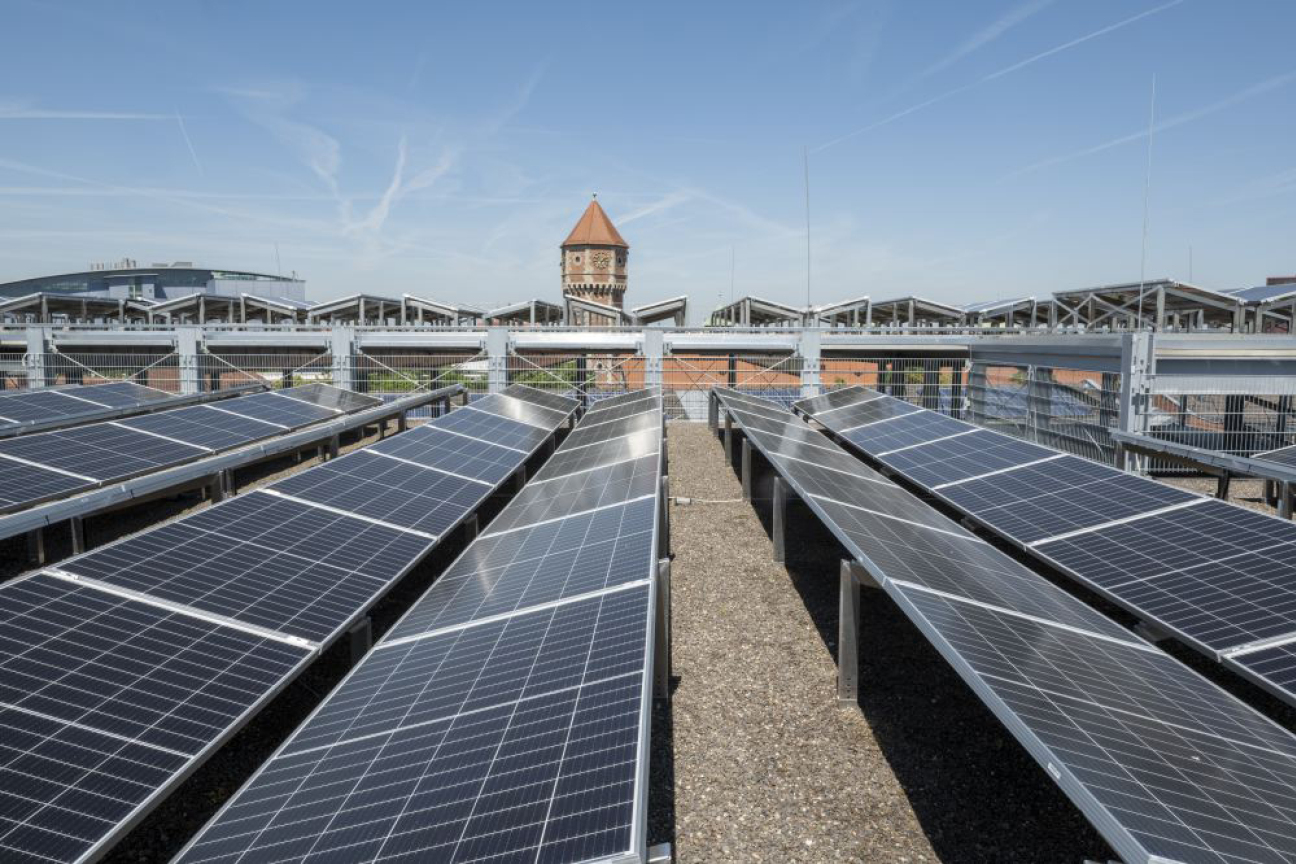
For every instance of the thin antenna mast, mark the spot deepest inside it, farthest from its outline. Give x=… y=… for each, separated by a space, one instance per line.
x=278 y=266
x=1147 y=193
x=733 y=256
x=805 y=155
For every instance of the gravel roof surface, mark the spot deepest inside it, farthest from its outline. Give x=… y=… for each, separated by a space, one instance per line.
x=756 y=761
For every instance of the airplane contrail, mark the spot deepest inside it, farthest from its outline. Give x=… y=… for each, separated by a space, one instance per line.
x=1007 y=70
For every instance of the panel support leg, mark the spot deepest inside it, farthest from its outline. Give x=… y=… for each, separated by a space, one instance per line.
x=664 y=531
x=77 y=526
x=713 y=413
x=848 y=622
x=782 y=492
x=334 y=445
x=470 y=529
x=360 y=639
x=662 y=634
x=1222 y=487
x=746 y=470
x=216 y=488
x=227 y=482
x=728 y=437
x=519 y=479
x=402 y=421
x=463 y=401
x=662 y=853
x=36 y=546
x=1285 y=499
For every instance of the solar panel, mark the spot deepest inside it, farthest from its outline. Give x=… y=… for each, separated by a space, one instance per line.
x=540 y=397
x=99 y=452
x=281 y=410
x=1061 y=495
x=507 y=739
x=833 y=399
x=203 y=426
x=47 y=404
x=390 y=491
x=497 y=430
x=102 y=700
x=323 y=395
x=607 y=403
x=905 y=431
x=22 y=484
x=504 y=717
x=521 y=411
x=571 y=459
x=1214 y=575
x=622 y=410
x=1161 y=761
x=1283 y=455
x=436 y=448
x=612 y=429
x=167 y=640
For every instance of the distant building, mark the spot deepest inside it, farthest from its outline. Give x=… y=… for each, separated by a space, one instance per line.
x=593 y=262
x=125 y=280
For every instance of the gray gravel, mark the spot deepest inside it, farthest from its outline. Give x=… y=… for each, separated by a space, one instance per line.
x=757 y=762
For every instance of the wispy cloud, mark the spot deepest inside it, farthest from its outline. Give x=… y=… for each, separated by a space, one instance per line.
x=1000 y=73
x=666 y=202
x=988 y=34
x=184 y=133
x=1251 y=92
x=26 y=111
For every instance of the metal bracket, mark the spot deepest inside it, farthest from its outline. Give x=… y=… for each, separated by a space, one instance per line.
x=664 y=532
x=662 y=853
x=1150 y=632
x=360 y=639
x=77 y=526
x=470 y=529
x=36 y=545
x=848 y=624
x=728 y=437
x=746 y=469
x=662 y=635
x=783 y=495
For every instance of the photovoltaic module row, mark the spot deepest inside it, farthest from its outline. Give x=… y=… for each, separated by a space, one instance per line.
x=122 y=669
x=506 y=717
x=51 y=404
x=1219 y=577
x=1167 y=766
x=46 y=465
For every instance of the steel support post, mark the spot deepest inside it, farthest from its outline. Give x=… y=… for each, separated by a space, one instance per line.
x=343 y=350
x=781 y=494
x=808 y=348
x=470 y=529
x=1285 y=499
x=653 y=353
x=713 y=413
x=77 y=526
x=216 y=488
x=187 y=351
x=334 y=445
x=463 y=400
x=497 y=345
x=36 y=546
x=402 y=421
x=746 y=469
x=1138 y=365
x=664 y=529
x=728 y=437
x=35 y=361
x=848 y=624
x=662 y=634
x=519 y=479
x=360 y=639
x=1222 y=485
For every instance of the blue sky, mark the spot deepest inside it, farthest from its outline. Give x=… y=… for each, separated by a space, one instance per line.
x=958 y=150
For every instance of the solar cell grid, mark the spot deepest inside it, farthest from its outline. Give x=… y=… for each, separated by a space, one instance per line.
x=430 y=446
x=390 y=491
x=607 y=403
x=22 y=484
x=792 y=431
x=494 y=429
x=250 y=582
x=121 y=394
x=543 y=398
x=1182 y=770
x=1052 y=498
x=908 y=430
x=521 y=411
x=590 y=434
x=621 y=412
x=833 y=399
x=541 y=564
x=1283 y=456
x=958 y=459
x=36 y=406
x=544 y=768
x=602 y=454
x=345 y=401
x=273 y=408
x=102 y=451
x=203 y=426
x=574 y=493
x=1220 y=575
x=130 y=669
x=68 y=787
x=874 y=411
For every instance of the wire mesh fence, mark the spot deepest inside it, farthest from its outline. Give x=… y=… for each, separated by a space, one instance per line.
x=160 y=369
x=1240 y=415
